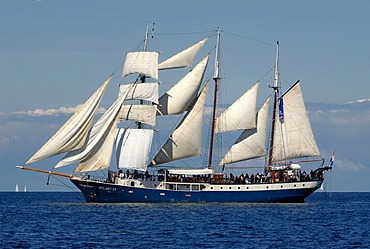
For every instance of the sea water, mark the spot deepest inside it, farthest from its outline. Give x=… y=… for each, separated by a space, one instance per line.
x=64 y=220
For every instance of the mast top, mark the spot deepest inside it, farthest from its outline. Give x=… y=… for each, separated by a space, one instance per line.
x=276 y=78
x=216 y=74
x=147 y=35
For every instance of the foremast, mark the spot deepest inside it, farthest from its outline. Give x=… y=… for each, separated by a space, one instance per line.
x=143 y=76
x=216 y=79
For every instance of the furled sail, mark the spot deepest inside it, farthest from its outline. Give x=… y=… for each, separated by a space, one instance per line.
x=293 y=134
x=138 y=113
x=241 y=114
x=100 y=136
x=145 y=63
x=141 y=91
x=251 y=143
x=133 y=147
x=180 y=96
x=183 y=59
x=72 y=135
x=185 y=141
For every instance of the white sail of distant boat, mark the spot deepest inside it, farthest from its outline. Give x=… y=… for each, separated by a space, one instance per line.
x=16 y=188
x=25 y=188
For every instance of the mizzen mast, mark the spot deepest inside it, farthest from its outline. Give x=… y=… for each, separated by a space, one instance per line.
x=276 y=96
x=216 y=78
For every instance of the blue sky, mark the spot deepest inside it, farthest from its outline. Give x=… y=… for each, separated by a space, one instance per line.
x=54 y=54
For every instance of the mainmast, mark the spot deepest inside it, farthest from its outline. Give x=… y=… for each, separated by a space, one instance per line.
x=216 y=78
x=276 y=96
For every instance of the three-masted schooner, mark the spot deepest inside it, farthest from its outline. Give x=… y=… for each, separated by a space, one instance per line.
x=138 y=102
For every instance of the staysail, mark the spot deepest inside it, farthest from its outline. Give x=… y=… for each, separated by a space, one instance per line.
x=293 y=137
x=99 y=144
x=181 y=95
x=241 y=114
x=185 y=141
x=251 y=143
x=183 y=59
x=72 y=135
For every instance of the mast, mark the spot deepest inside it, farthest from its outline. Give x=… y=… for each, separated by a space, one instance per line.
x=216 y=78
x=142 y=76
x=276 y=96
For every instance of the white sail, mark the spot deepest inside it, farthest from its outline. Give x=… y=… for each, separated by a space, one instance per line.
x=100 y=155
x=145 y=63
x=241 y=114
x=183 y=59
x=140 y=91
x=139 y=113
x=72 y=135
x=293 y=137
x=185 y=141
x=100 y=136
x=180 y=96
x=251 y=143
x=133 y=147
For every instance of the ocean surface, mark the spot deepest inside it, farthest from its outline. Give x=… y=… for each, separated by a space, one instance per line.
x=64 y=220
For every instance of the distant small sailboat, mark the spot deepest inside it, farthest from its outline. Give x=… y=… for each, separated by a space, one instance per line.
x=25 y=188
x=16 y=188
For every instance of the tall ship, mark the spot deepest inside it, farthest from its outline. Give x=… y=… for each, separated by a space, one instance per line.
x=144 y=173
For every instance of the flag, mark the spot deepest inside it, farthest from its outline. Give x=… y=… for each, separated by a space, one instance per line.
x=281 y=110
x=331 y=162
